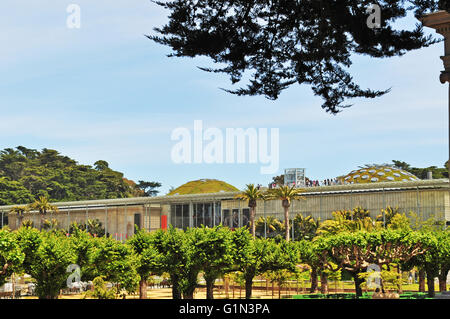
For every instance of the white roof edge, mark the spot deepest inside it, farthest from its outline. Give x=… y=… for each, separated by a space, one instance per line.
x=230 y=195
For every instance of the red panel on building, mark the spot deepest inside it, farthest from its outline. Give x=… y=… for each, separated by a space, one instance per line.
x=164 y=222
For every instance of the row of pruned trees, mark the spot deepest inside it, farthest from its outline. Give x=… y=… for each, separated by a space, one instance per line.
x=215 y=252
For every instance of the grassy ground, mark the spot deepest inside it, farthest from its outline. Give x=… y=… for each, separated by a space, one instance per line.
x=259 y=291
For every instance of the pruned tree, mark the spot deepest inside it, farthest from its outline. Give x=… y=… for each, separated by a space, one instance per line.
x=147 y=259
x=354 y=252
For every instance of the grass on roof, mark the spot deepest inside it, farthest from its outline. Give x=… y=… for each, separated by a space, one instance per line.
x=203 y=186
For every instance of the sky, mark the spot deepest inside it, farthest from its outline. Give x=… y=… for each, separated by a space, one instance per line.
x=106 y=92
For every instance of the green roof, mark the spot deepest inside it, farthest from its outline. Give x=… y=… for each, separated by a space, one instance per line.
x=203 y=186
x=378 y=173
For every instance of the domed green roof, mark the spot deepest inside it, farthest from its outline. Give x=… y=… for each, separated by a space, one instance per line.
x=203 y=186
x=374 y=174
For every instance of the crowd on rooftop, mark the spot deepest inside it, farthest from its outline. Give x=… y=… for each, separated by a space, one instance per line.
x=314 y=183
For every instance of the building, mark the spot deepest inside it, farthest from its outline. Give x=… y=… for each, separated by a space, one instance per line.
x=213 y=202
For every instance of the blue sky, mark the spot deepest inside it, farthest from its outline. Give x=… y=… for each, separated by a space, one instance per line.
x=104 y=91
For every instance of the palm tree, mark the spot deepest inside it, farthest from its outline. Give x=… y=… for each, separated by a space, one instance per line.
x=19 y=211
x=269 y=226
x=43 y=206
x=305 y=227
x=286 y=194
x=251 y=194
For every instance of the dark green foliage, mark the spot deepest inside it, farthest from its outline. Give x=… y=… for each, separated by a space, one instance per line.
x=100 y=290
x=275 y=44
x=305 y=228
x=93 y=227
x=213 y=251
x=26 y=174
x=116 y=262
x=47 y=256
x=11 y=257
x=438 y=172
x=147 y=258
x=12 y=192
x=177 y=258
x=83 y=244
x=29 y=240
x=149 y=188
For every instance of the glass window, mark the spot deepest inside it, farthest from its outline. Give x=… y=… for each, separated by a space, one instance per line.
x=208 y=221
x=137 y=221
x=172 y=215
x=179 y=216
x=217 y=219
x=185 y=216
x=246 y=217
x=227 y=220
x=235 y=218
x=199 y=215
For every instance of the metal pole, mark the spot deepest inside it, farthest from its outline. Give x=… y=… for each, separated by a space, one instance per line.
x=87 y=216
x=383 y=208
x=265 y=220
x=191 y=215
x=106 y=221
x=221 y=214
x=214 y=213
x=448 y=165
x=292 y=218
x=239 y=215
x=148 y=208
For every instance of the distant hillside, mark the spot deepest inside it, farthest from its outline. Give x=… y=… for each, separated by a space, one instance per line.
x=26 y=174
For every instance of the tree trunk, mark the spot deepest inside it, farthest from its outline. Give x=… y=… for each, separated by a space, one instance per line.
x=323 y=283
x=358 y=282
x=210 y=288
x=400 y=284
x=286 y=222
x=176 y=292
x=188 y=295
x=443 y=279
x=227 y=287
x=143 y=289
x=252 y=221
x=279 y=290
x=248 y=287
x=313 y=280
x=421 y=280
x=430 y=285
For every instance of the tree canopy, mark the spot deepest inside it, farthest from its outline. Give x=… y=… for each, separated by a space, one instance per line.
x=27 y=174
x=274 y=44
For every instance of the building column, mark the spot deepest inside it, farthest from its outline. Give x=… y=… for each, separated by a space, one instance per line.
x=106 y=221
x=265 y=220
x=87 y=217
x=191 y=215
x=68 y=220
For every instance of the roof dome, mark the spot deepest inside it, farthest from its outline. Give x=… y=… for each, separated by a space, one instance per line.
x=375 y=173
x=203 y=186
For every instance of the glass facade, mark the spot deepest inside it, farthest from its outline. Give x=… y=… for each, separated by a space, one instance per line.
x=179 y=217
x=207 y=214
